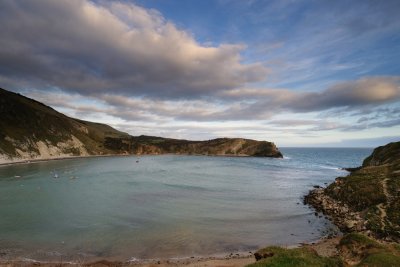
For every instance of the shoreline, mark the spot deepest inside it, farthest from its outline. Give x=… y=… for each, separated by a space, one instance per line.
x=36 y=160
x=232 y=259
x=340 y=214
x=323 y=247
x=190 y=261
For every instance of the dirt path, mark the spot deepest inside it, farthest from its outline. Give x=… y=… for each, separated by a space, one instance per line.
x=382 y=206
x=385 y=188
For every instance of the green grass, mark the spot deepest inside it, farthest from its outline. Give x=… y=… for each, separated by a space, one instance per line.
x=362 y=191
x=374 y=222
x=359 y=190
x=380 y=260
x=393 y=211
x=359 y=239
x=368 y=252
x=354 y=248
x=294 y=257
x=384 y=154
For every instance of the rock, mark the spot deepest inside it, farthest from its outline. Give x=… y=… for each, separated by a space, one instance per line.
x=350 y=224
x=338 y=212
x=259 y=256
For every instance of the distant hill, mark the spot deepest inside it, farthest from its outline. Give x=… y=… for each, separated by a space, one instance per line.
x=367 y=200
x=31 y=130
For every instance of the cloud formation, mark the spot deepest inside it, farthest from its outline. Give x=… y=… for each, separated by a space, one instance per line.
x=364 y=91
x=104 y=47
x=348 y=97
x=368 y=91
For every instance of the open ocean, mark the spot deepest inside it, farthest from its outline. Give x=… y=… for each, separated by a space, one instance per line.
x=163 y=206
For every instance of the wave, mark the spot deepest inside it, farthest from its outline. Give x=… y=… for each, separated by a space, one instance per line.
x=330 y=167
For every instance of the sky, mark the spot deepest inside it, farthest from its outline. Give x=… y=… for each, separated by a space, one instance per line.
x=298 y=73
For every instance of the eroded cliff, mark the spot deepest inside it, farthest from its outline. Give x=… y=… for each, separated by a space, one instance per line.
x=31 y=130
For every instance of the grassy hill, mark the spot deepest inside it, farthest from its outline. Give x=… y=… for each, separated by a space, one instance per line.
x=32 y=130
x=29 y=128
x=368 y=199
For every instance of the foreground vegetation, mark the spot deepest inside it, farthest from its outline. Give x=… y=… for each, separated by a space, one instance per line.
x=374 y=192
x=281 y=257
x=353 y=250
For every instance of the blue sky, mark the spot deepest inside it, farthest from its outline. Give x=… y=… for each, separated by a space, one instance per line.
x=299 y=73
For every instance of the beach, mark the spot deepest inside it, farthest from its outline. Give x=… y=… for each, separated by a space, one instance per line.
x=325 y=247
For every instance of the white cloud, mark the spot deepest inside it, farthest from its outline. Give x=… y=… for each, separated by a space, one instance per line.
x=88 y=47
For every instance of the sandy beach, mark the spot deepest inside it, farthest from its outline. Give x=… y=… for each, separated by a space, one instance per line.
x=324 y=247
x=228 y=261
x=7 y=162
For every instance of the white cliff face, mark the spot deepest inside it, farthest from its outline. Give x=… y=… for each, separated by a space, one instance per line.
x=77 y=144
x=46 y=150
x=43 y=149
x=4 y=159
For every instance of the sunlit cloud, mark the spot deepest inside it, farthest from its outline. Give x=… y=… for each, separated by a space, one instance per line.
x=89 y=48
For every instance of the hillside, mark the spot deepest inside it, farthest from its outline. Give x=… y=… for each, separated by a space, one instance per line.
x=365 y=205
x=31 y=130
x=368 y=199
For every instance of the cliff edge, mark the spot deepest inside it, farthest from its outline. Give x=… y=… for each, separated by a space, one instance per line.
x=30 y=130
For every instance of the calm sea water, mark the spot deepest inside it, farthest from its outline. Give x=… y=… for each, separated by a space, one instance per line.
x=163 y=206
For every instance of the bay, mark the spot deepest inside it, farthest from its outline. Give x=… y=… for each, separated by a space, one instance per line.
x=163 y=206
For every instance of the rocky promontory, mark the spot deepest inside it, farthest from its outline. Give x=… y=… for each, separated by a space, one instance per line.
x=152 y=145
x=368 y=199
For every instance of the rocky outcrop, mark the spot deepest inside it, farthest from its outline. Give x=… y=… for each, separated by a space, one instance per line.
x=368 y=199
x=31 y=130
x=339 y=213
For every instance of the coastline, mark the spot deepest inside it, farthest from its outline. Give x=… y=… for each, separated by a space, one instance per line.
x=325 y=247
x=337 y=212
x=228 y=260
x=36 y=160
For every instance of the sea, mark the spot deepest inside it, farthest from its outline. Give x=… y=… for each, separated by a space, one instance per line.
x=164 y=207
